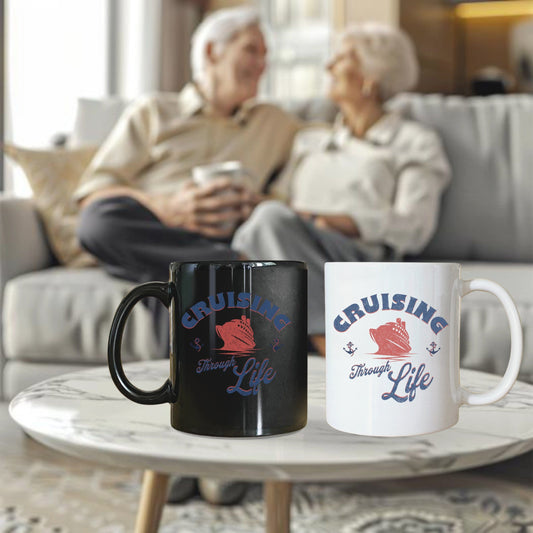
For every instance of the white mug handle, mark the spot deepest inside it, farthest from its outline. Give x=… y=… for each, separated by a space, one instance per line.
x=511 y=373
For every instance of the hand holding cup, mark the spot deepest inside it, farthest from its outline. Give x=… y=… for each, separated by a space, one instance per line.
x=223 y=199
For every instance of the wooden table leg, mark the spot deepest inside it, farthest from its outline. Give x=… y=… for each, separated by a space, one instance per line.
x=277 y=496
x=153 y=498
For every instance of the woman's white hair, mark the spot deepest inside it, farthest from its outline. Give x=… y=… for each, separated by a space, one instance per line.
x=218 y=28
x=387 y=55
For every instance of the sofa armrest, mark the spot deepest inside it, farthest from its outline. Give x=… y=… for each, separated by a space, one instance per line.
x=23 y=248
x=23 y=242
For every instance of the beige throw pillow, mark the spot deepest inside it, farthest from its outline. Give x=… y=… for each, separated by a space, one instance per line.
x=53 y=176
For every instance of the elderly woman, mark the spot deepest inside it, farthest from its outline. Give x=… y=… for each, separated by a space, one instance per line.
x=140 y=208
x=366 y=189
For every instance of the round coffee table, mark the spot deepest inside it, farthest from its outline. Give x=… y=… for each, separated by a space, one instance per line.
x=84 y=415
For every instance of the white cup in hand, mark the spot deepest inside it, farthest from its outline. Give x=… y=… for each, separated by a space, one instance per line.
x=204 y=174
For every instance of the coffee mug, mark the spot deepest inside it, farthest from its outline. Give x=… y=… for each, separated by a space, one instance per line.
x=238 y=347
x=392 y=347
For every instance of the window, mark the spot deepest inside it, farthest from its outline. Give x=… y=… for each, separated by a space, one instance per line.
x=299 y=47
x=56 y=52
x=62 y=50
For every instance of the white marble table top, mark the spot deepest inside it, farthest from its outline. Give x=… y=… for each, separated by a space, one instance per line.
x=84 y=415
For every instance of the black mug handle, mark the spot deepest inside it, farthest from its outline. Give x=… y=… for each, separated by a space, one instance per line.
x=163 y=292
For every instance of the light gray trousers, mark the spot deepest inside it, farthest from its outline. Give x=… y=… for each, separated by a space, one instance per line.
x=276 y=232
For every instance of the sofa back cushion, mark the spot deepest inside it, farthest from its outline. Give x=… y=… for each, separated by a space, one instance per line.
x=95 y=118
x=311 y=110
x=487 y=212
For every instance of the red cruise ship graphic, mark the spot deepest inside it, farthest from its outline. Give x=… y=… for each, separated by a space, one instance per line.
x=237 y=335
x=392 y=338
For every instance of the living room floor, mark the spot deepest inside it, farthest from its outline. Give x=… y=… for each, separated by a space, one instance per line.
x=43 y=491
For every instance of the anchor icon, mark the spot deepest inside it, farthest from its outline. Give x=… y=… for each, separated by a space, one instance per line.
x=351 y=348
x=433 y=351
x=197 y=345
x=276 y=345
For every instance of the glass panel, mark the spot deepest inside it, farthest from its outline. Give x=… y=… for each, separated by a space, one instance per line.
x=298 y=82
x=299 y=45
x=56 y=52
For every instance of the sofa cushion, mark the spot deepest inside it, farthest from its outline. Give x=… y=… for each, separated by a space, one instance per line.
x=487 y=212
x=64 y=315
x=485 y=340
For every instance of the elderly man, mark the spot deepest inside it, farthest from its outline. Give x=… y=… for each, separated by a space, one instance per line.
x=141 y=210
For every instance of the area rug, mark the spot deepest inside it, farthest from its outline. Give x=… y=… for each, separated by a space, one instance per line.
x=45 y=498
x=350 y=508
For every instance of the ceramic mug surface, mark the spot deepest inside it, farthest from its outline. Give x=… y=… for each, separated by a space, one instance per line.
x=392 y=347
x=238 y=347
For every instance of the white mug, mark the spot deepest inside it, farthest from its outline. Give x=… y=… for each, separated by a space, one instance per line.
x=204 y=174
x=392 y=347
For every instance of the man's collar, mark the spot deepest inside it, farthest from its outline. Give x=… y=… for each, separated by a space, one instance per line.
x=192 y=102
x=242 y=114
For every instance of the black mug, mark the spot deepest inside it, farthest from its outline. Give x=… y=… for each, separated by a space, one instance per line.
x=238 y=347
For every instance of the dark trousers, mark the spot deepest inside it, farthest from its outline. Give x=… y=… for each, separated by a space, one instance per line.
x=130 y=242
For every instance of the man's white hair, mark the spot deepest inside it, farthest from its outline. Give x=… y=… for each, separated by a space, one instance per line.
x=218 y=28
x=387 y=55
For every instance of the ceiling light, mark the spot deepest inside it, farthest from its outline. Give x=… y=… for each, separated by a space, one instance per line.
x=511 y=8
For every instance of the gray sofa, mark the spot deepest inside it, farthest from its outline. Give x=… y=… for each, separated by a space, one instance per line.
x=56 y=319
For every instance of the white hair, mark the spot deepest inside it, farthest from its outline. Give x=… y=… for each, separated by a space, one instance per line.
x=387 y=55
x=218 y=28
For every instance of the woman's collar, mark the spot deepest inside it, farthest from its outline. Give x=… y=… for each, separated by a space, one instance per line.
x=384 y=130
x=381 y=133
